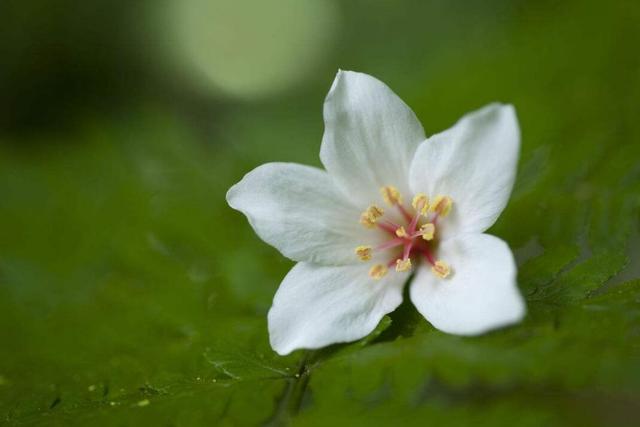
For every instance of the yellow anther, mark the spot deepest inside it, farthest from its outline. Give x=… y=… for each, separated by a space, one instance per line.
x=442 y=205
x=428 y=230
x=375 y=212
x=364 y=253
x=401 y=232
x=369 y=217
x=441 y=269
x=367 y=221
x=378 y=271
x=403 y=265
x=364 y=220
x=391 y=195
x=420 y=203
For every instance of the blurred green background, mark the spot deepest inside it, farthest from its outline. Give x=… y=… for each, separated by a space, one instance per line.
x=130 y=293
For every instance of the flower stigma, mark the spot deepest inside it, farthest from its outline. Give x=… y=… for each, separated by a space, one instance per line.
x=415 y=239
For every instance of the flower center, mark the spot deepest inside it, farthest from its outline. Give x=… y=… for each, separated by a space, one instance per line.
x=413 y=238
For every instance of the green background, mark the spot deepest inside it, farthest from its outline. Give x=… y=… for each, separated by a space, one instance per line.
x=131 y=294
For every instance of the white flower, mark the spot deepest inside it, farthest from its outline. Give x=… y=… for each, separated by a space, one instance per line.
x=390 y=202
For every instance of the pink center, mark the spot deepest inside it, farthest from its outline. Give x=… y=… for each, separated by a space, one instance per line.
x=415 y=238
x=413 y=244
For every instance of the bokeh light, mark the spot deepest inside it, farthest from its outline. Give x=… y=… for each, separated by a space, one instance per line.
x=251 y=48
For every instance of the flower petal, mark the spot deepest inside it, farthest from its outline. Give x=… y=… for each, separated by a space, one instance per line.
x=298 y=210
x=474 y=163
x=370 y=136
x=316 y=306
x=480 y=294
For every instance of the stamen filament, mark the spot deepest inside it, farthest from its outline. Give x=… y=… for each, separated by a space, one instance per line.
x=392 y=224
x=407 y=249
x=390 y=244
x=414 y=222
x=390 y=228
x=428 y=255
x=407 y=216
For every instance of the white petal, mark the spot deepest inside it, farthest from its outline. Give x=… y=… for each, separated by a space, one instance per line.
x=298 y=210
x=480 y=294
x=317 y=306
x=370 y=136
x=474 y=163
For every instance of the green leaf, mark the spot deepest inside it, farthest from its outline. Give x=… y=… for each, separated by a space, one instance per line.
x=131 y=294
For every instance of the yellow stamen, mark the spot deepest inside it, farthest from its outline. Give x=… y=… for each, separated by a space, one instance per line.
x=367 y=221
x=420 y=203
x=442 y=205
x=401 y=232
x=403 y=265
x=363 y=252
x=378 y=271
x=428 y=231
x=375 y=212
x=369 y=217
x=441 y=269
x=391 y=195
